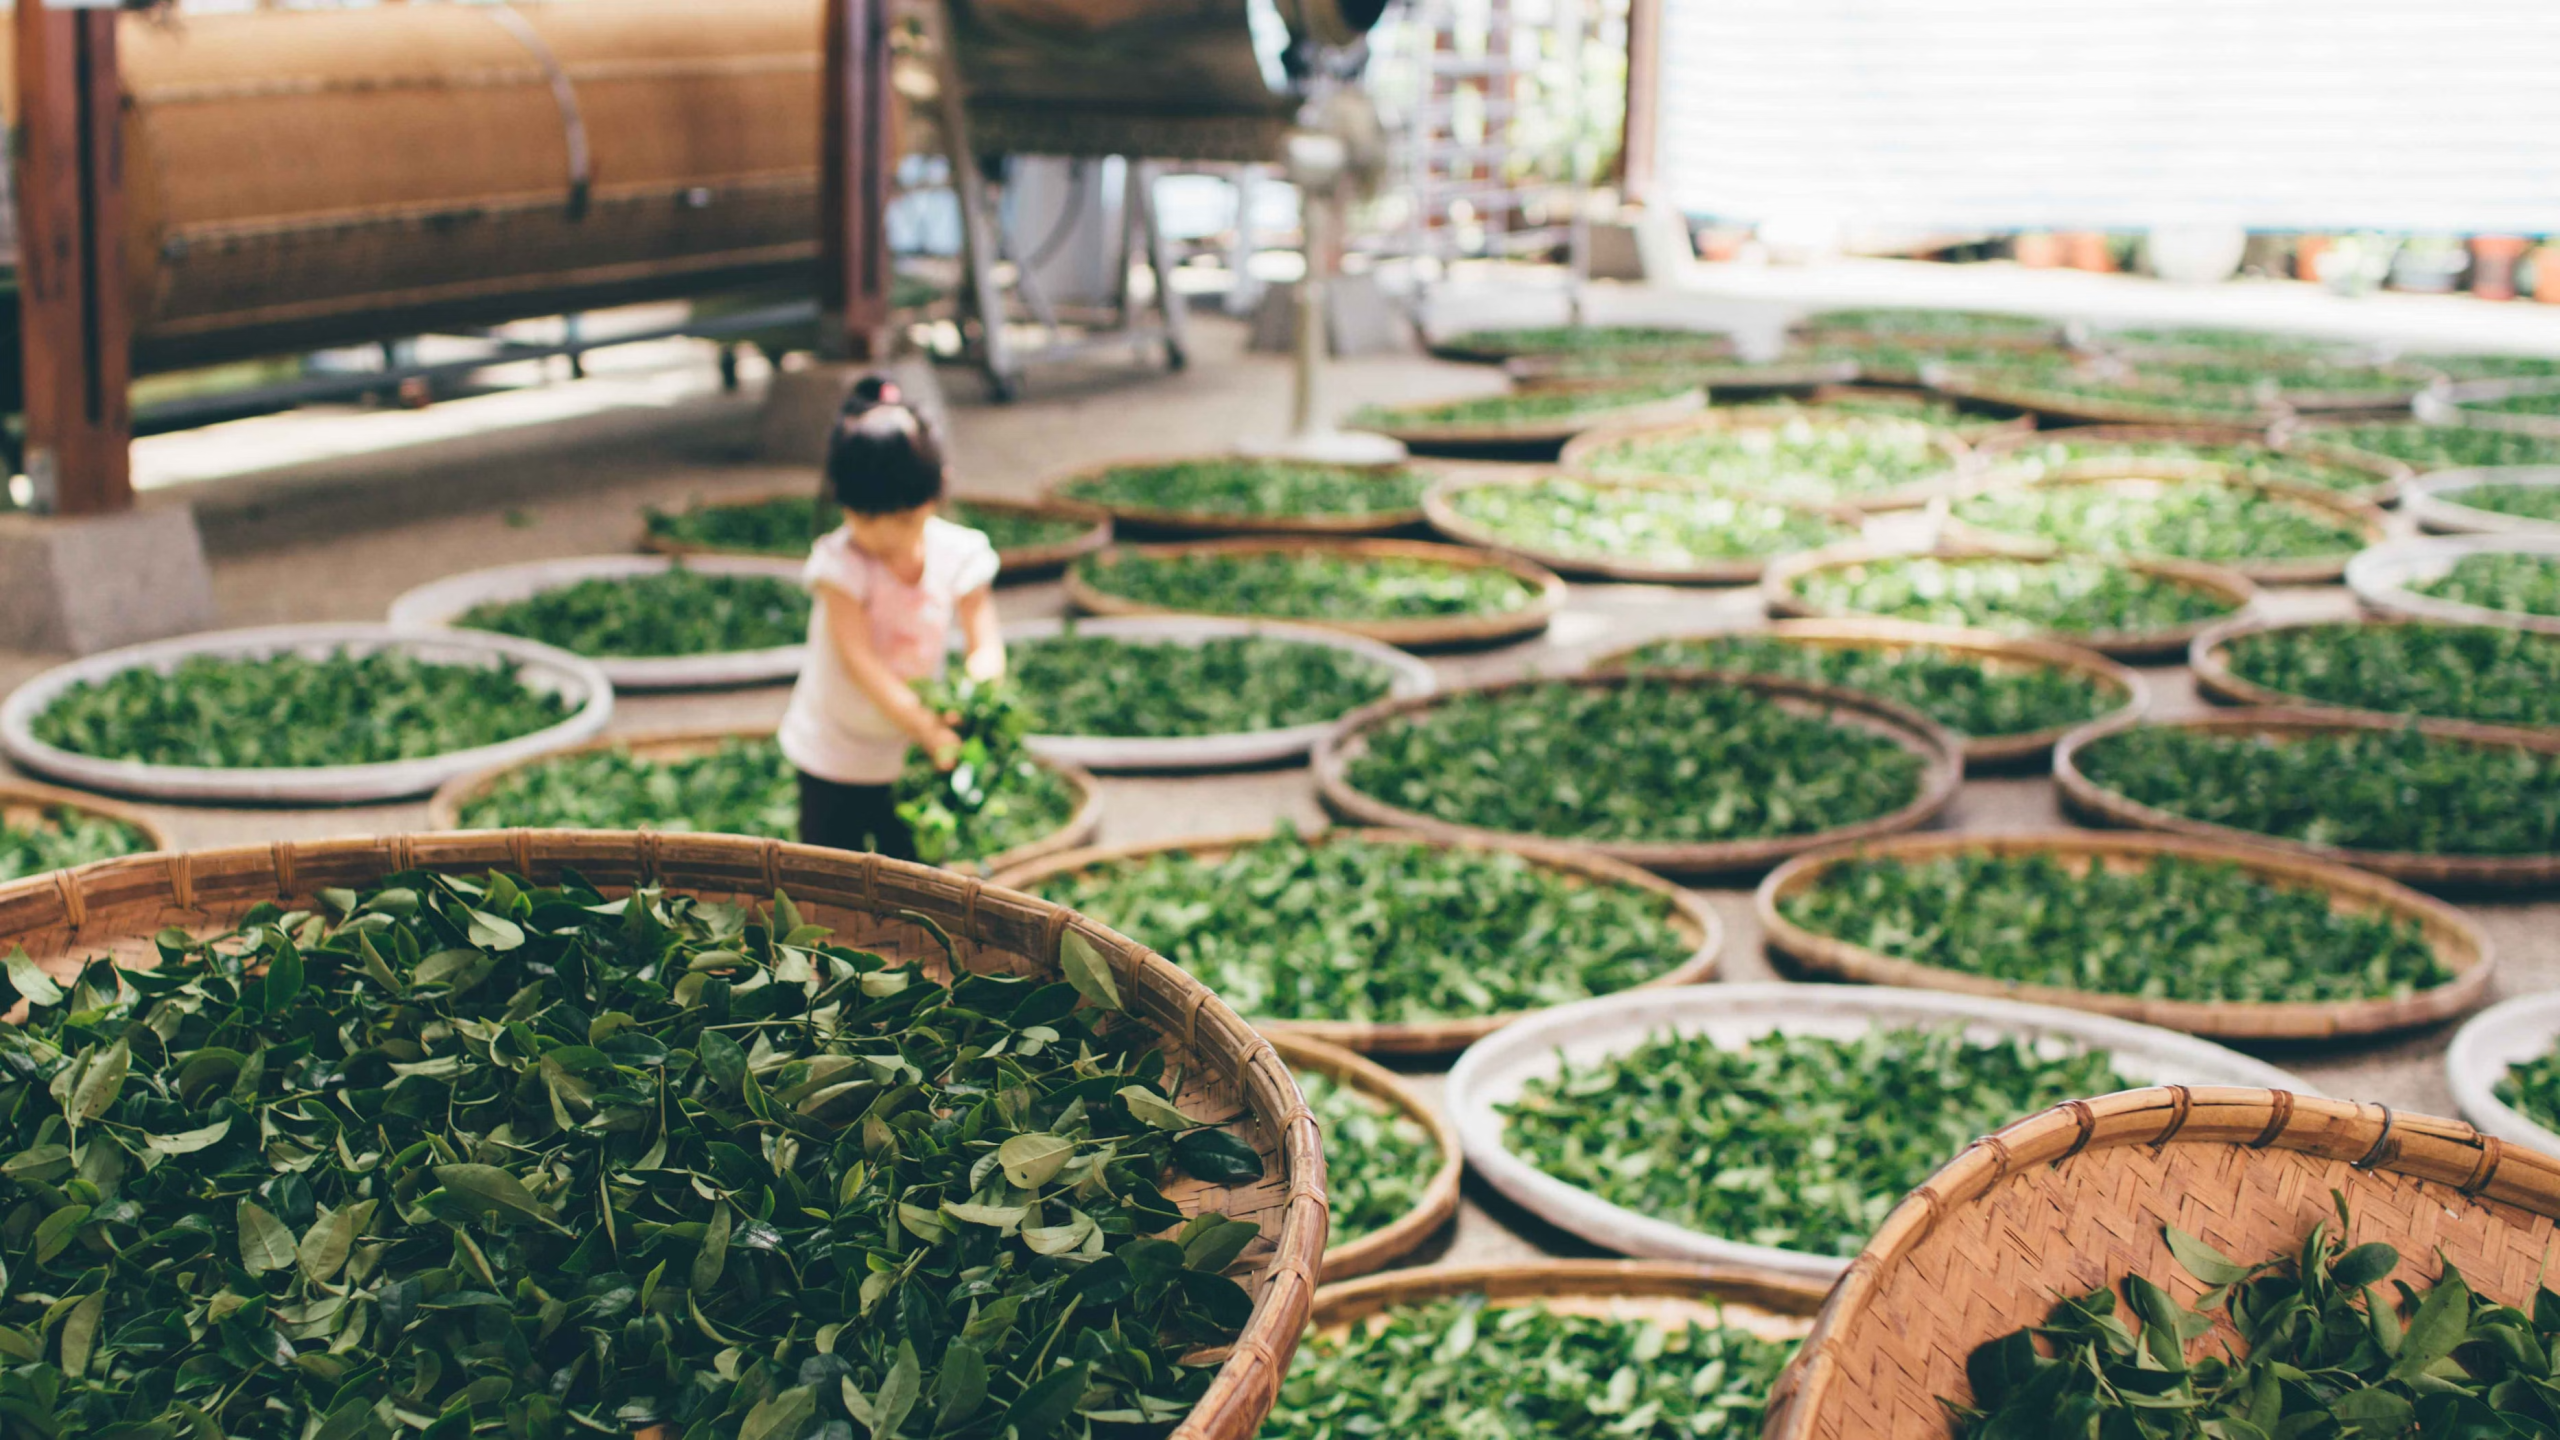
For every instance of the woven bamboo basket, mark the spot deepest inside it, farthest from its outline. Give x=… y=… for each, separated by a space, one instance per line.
x=2076 y=1198
x=2317 y=442
x=1542 y=433
x=2393 y=387
x=1668 y=1292
x=1694 y=918
x=1455 y=630
x=2459 y=405
x=1778 y=593
x=2128 y=407
x=2379 y=483
x=1020 y=563
x=1941 y=755
x=1582 y=455
x=2364 y=519
x=1994 y=650
x=2385 y=579
x=115 y=907
x=2437 y=503
x=2209 y=657
x=1127 y=517
x=1555 y=372
x=2085 y=797
x=2461 y=945
x=1440 y=505
x=24 y=804
x=1407 y=1233
x=1471 y=348
x=444 y=809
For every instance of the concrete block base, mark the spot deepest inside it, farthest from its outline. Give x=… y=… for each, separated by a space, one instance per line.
x=1360 y=319
x=800 y=405
x=93 y=582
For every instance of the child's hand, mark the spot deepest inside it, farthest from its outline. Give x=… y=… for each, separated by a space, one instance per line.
x=985 y=664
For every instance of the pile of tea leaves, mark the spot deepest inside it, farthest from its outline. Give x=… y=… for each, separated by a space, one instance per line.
x=2426 y=448
x=2201 y=519
x=1967 y=693
x=1797 y=455
x=1253 y=489
x=997 y=796
x=1377 y=1160
x=2525 y=502
x=2053 y=450
x=2066 y=596
x=57 y=837
x=738 y=787
x=1584 y=340
x=1671 y=526
x=772 y=525
x=676 y=611
x=1306 y=584
x=468 y=1155
x=1524 y=408
x=2492 y=674
x=2524 y=584
x=1080 y=683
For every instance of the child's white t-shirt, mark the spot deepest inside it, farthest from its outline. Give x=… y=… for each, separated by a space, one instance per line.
x=832 y=730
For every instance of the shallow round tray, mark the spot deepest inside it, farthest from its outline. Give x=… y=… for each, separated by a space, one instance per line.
x=1020 y=563
x=444 y=810
x=2094 y=409
x=441 y=604
x=1577 y=455
x=1769 y=1304
x=1529 y=619
x=1940 y=752
x=2383 y=477
x=2459 y=944
x=1231 y=751
x=2381 y=578
x=1709 y=344
x=2508 y=1033
x=1217 y=522
x=24 y=803
x=2077 y=1198
x=1693 y=917
x=1494 y=1072
x=2365 y=519
x=1445 y=518
x=2086 y=797
x=1539 y=432
x=2435 y=501
x=2208 y=656
x=1980 y=751
x=541 y=667
x=1541 y=372
x=2406 y=382
x=1407 y=1232
x=1229 y=1072
x=1777 y=592
x=2451 y=405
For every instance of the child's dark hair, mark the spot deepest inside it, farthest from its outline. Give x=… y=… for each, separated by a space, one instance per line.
x=882 y=457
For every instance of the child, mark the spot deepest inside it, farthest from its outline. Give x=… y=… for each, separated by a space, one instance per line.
x=888 y=584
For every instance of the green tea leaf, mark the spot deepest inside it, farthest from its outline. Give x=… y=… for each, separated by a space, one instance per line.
x=80 y=1332
x=1088 y=971
x=264 y=1242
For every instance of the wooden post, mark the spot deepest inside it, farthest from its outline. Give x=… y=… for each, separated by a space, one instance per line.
x=1638 y=143
x=73 y=318
x=855 y=164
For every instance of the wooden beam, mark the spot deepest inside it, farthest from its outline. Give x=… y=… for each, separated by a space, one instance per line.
x=856 y=160
x=75 y=325
x=1642 y=136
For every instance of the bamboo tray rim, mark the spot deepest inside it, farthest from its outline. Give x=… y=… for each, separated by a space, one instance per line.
x=441 y=604
x=1576 y=456
x=1778 y=593
x=1439 y=506
x=2451 y=405
x=1542 y=430
x=2458 y=942
x=1770 y=1303
x=1547 y=599
x=2104 y=410
x=1899 y=635
x=89 y=905
x=1238 y=522
x=444 y=808
x=1454 y=346
x=1493 y=1072
x=17 y=794
x=2208 y=655
x=2362 y=517
x=1939 y=751
x=2432 y=500
x=2380 y=576
x=1696 y=920
x=1407 y=1232
x=1534 y=373
x=2243 y=1120
x=2081 y=793
x=1028 y=558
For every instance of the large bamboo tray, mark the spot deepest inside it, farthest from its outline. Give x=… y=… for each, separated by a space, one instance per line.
x=1439 y=503
x=24 y=803
x=1495 y=1072
x=2507 y=1034
x=1579 y=455
x=1778 y=593
x=1023 y=562
x=1452 y=630
x=1537 y=433
x=2209 y=657
x=2452 y=406
x=2075 y=1199
x=441 y=605
x=2087 y=798
x=2384 y=578
x=1408 y=1232
x=444 y=809
x=1768 y=1304
x=1707 y=345
x=1721 y=377
x=2315 y=442
x=2130 y=406
x=579 y=684
x=1940 y=752
x=2384 y=477
x=1219 y=522
x=1694 y=918
x=1995 y=650
x=2364 y=518
x=2436 y=503
x=2459 y=944
x=2396 y=385
x=116 y=907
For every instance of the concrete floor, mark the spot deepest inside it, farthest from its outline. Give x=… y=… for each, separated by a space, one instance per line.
x=338 y=540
